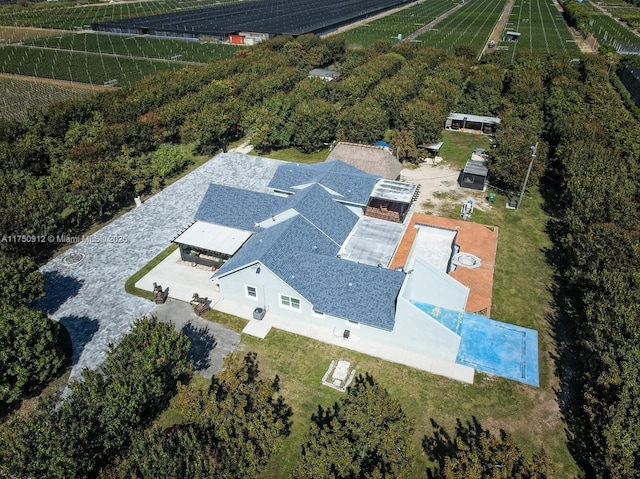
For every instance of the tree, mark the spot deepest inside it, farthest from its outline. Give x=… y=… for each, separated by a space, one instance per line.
x=241 y=418
x=213 y=126
x=476 y=453
x=364 y=122
x=78 y=435
x=314 y=125
x=270 y=123
x=228 y=431
x=365 y=436
x=20 y=281
x=30 y=353
x=404 y=146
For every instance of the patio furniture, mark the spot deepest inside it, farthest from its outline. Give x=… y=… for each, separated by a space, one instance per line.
x=159 y=295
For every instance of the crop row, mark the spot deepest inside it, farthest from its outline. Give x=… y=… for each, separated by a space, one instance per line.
x=132 y=46
x=67 y=16
x=20 y=95
x=542 y=29
x=610 y=32
x=82 y=67
x=471 y=25
x=403 y=23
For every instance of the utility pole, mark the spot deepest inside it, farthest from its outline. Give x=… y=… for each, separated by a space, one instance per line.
x=526 y=178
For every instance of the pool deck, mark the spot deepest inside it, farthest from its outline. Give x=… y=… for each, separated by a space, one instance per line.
x=479 y=240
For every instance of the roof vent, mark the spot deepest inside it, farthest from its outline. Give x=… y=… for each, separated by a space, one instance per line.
x=350 y=284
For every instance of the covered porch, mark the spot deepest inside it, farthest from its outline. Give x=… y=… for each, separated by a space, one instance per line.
x=210 y=245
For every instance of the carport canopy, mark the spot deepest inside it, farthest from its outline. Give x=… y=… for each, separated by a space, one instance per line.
x=212 y=237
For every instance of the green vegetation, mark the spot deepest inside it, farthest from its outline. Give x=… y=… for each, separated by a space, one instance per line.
x=366 y=435
x=469 y=26
x=291 y=154
x=130 y=284
x=457 y=146
x=137 y=46
x=403 y=23
x=19 y=96
x=78 y=436
x=84 y=67
x=542 y=28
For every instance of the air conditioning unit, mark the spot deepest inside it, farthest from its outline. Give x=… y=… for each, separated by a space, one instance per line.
x=346 y=334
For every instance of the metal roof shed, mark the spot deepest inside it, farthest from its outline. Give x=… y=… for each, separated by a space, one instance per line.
x=474 y=175
x=486 y=124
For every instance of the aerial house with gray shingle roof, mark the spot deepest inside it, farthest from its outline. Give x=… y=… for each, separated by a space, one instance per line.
x=313 y=262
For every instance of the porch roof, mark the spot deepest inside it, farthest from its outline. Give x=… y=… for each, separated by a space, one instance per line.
x=212 y=237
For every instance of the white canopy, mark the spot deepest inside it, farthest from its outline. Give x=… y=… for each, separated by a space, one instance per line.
x=212 y=237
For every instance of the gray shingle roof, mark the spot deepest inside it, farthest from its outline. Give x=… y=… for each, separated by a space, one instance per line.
x=353 y=185
x=319 y=207
x=237 y=208
x=303 y=257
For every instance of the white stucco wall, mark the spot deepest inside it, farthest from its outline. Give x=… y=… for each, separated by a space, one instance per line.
x=414 y=330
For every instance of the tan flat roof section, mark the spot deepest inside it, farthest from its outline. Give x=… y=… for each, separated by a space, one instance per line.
x=212 y=237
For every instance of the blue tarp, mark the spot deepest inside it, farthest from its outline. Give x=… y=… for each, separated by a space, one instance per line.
x=381 y=143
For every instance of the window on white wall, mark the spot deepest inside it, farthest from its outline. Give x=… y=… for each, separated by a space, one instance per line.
x=289 y=302
x=251 y=292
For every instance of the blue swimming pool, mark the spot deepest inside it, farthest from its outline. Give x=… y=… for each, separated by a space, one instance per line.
x=490 y=346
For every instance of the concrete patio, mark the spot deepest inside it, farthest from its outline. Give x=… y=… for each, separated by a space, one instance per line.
x=183 y=280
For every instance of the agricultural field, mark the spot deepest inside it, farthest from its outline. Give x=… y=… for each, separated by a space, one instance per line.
x=403 y=23
x=136 y=46
x=470 y=25
x=83 y=67
x=71 y=15
x=612 y=33
x=15 y=35
x=18 y=95
x=542 y=29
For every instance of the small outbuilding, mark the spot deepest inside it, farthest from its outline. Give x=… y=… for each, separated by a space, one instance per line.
x=326 y=74
x=474 y=175
x=463 y=121
x=512 y=36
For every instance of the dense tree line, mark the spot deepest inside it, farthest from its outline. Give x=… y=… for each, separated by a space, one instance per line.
x=31 y=351
x=366 y=435
x=79 y=435
x=520 y=107
x=594 y=171
x=476 y=453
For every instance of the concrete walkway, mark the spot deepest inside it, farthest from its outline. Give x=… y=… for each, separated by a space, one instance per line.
x=210 y=342
x=424 y=362
x=88 y=296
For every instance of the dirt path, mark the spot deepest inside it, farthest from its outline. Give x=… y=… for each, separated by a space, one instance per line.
x=439 y=189
x=411 y=37
x=498 y=29
x=584 y=45
x=63 y=83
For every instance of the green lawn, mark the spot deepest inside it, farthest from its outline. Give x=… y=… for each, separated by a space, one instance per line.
x=291 y=154
x=457 y=146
